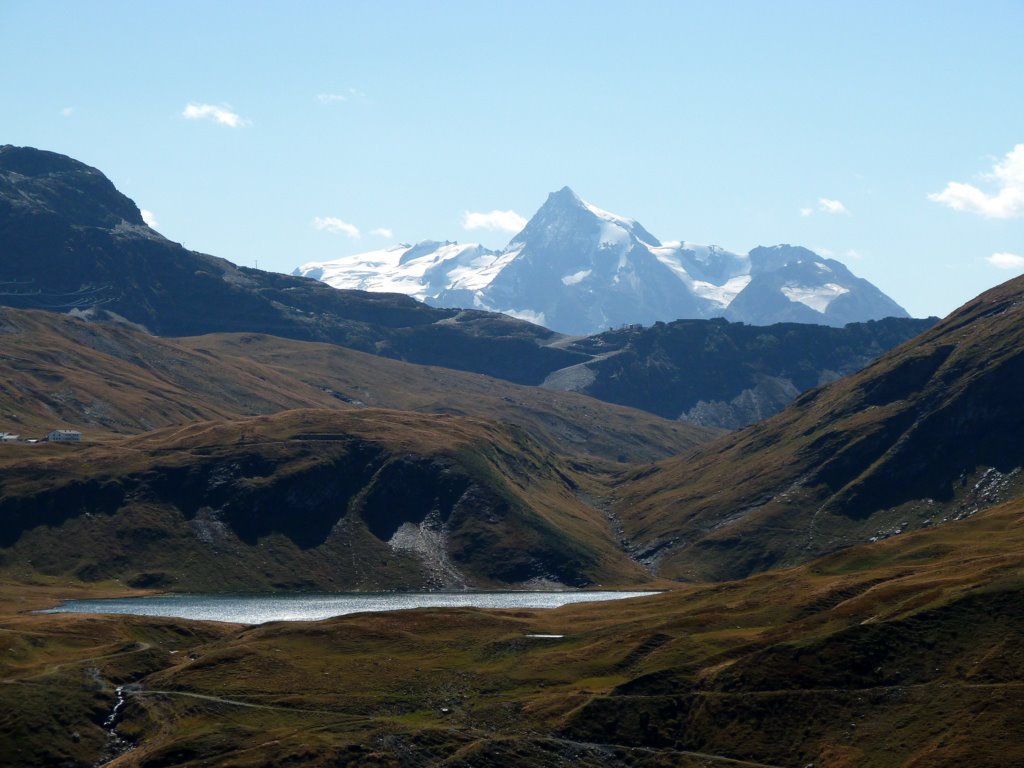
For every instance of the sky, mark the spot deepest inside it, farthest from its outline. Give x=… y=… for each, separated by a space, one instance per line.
x=887 y=135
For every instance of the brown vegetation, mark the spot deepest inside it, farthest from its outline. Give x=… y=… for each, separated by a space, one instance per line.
x=305 y=499
x=900 y=653
x=106 y=378
x=928 y=433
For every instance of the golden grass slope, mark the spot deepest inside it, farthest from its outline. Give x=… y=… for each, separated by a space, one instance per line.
x=105 y=378
x=307 y=499
x=928 y=433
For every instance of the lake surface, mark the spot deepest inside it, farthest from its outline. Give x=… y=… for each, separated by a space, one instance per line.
x=257 y=609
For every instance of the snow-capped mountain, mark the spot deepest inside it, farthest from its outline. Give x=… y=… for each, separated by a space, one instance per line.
x=578 y=269
x=792 y=284
x=424 y=271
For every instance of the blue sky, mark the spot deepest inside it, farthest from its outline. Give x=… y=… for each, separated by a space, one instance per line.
x=283 y=133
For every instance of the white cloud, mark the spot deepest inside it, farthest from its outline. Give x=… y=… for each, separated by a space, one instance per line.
x=826 y=205
x=221 y=115
x=504 y=221
x=382 y=232
x=350 y=94
x=332 y=224
x=1006 y=261
x=67 y=111
x=150 y=218
x=1007 y=202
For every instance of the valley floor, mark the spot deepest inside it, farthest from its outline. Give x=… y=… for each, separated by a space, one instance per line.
x=903 y=653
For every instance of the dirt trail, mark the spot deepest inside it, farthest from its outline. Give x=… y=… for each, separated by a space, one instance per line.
x=247 y=704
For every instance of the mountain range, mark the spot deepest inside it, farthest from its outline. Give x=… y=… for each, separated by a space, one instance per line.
x=841 y=580
x=72 y=243
x=925 y=435
x=580 y=270
x=717 y=373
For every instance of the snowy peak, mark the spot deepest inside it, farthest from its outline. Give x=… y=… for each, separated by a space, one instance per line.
x=566 y=217
x=425 y=271
x=580 y=269
x=793 y=284
x=775 y=257
x=563 y=199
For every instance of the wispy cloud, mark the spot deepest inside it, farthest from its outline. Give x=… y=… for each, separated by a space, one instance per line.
x=825 y=205
x=1006 y=261
x=221 y=115
x=350 y=94
x=332 y=224
x=500 y=221
x=150 y=218
x=1006 y=202
x=67 y=111
x=382 y=232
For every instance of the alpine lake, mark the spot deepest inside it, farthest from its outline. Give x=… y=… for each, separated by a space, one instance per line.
x=259 y=609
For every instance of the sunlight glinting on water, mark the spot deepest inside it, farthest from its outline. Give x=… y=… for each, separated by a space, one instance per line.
x=258 y=609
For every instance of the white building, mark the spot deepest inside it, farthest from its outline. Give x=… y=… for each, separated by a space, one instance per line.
x=7 y=437
x=64 y=436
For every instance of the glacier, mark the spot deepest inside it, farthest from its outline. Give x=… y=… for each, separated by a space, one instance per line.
x=579 y=269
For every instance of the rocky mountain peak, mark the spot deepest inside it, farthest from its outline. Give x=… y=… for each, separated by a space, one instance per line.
x=568 y=221
x=564 y=197
x=63 y=187
x=770 y=258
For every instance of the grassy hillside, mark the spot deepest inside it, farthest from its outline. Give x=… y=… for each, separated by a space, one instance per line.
x=901 y=653
x=927 y=434
x=362 y=499
x=104 y=378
